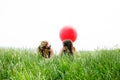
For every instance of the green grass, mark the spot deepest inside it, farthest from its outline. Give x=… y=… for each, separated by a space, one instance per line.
x=20 y=64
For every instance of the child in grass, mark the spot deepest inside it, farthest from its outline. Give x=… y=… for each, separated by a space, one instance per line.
x=67 y=48
x=45 y=50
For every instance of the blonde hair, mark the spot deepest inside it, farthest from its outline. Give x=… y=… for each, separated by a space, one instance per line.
x=44 y=49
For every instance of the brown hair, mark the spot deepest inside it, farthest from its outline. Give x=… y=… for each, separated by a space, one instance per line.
x=44 y=49
x=69 y=45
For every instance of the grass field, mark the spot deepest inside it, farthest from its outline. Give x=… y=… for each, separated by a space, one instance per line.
x=20 y=64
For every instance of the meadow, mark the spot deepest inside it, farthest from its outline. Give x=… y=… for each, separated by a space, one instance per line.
x=25 y=64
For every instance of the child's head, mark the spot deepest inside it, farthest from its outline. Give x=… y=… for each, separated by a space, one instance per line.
x=44 y=44
x=44 y=49
x=67 y=44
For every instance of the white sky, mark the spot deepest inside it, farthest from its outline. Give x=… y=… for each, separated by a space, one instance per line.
x=25 y=23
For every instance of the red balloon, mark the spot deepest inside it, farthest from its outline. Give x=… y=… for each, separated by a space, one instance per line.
x=68 y=32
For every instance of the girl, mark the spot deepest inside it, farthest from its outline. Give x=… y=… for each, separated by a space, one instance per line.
x=45 y=50
x=67 y=48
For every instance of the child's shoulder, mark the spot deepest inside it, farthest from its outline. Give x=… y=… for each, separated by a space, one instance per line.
x=74 y=48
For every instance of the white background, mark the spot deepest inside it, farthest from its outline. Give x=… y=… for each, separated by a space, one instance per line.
x=25 y=23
